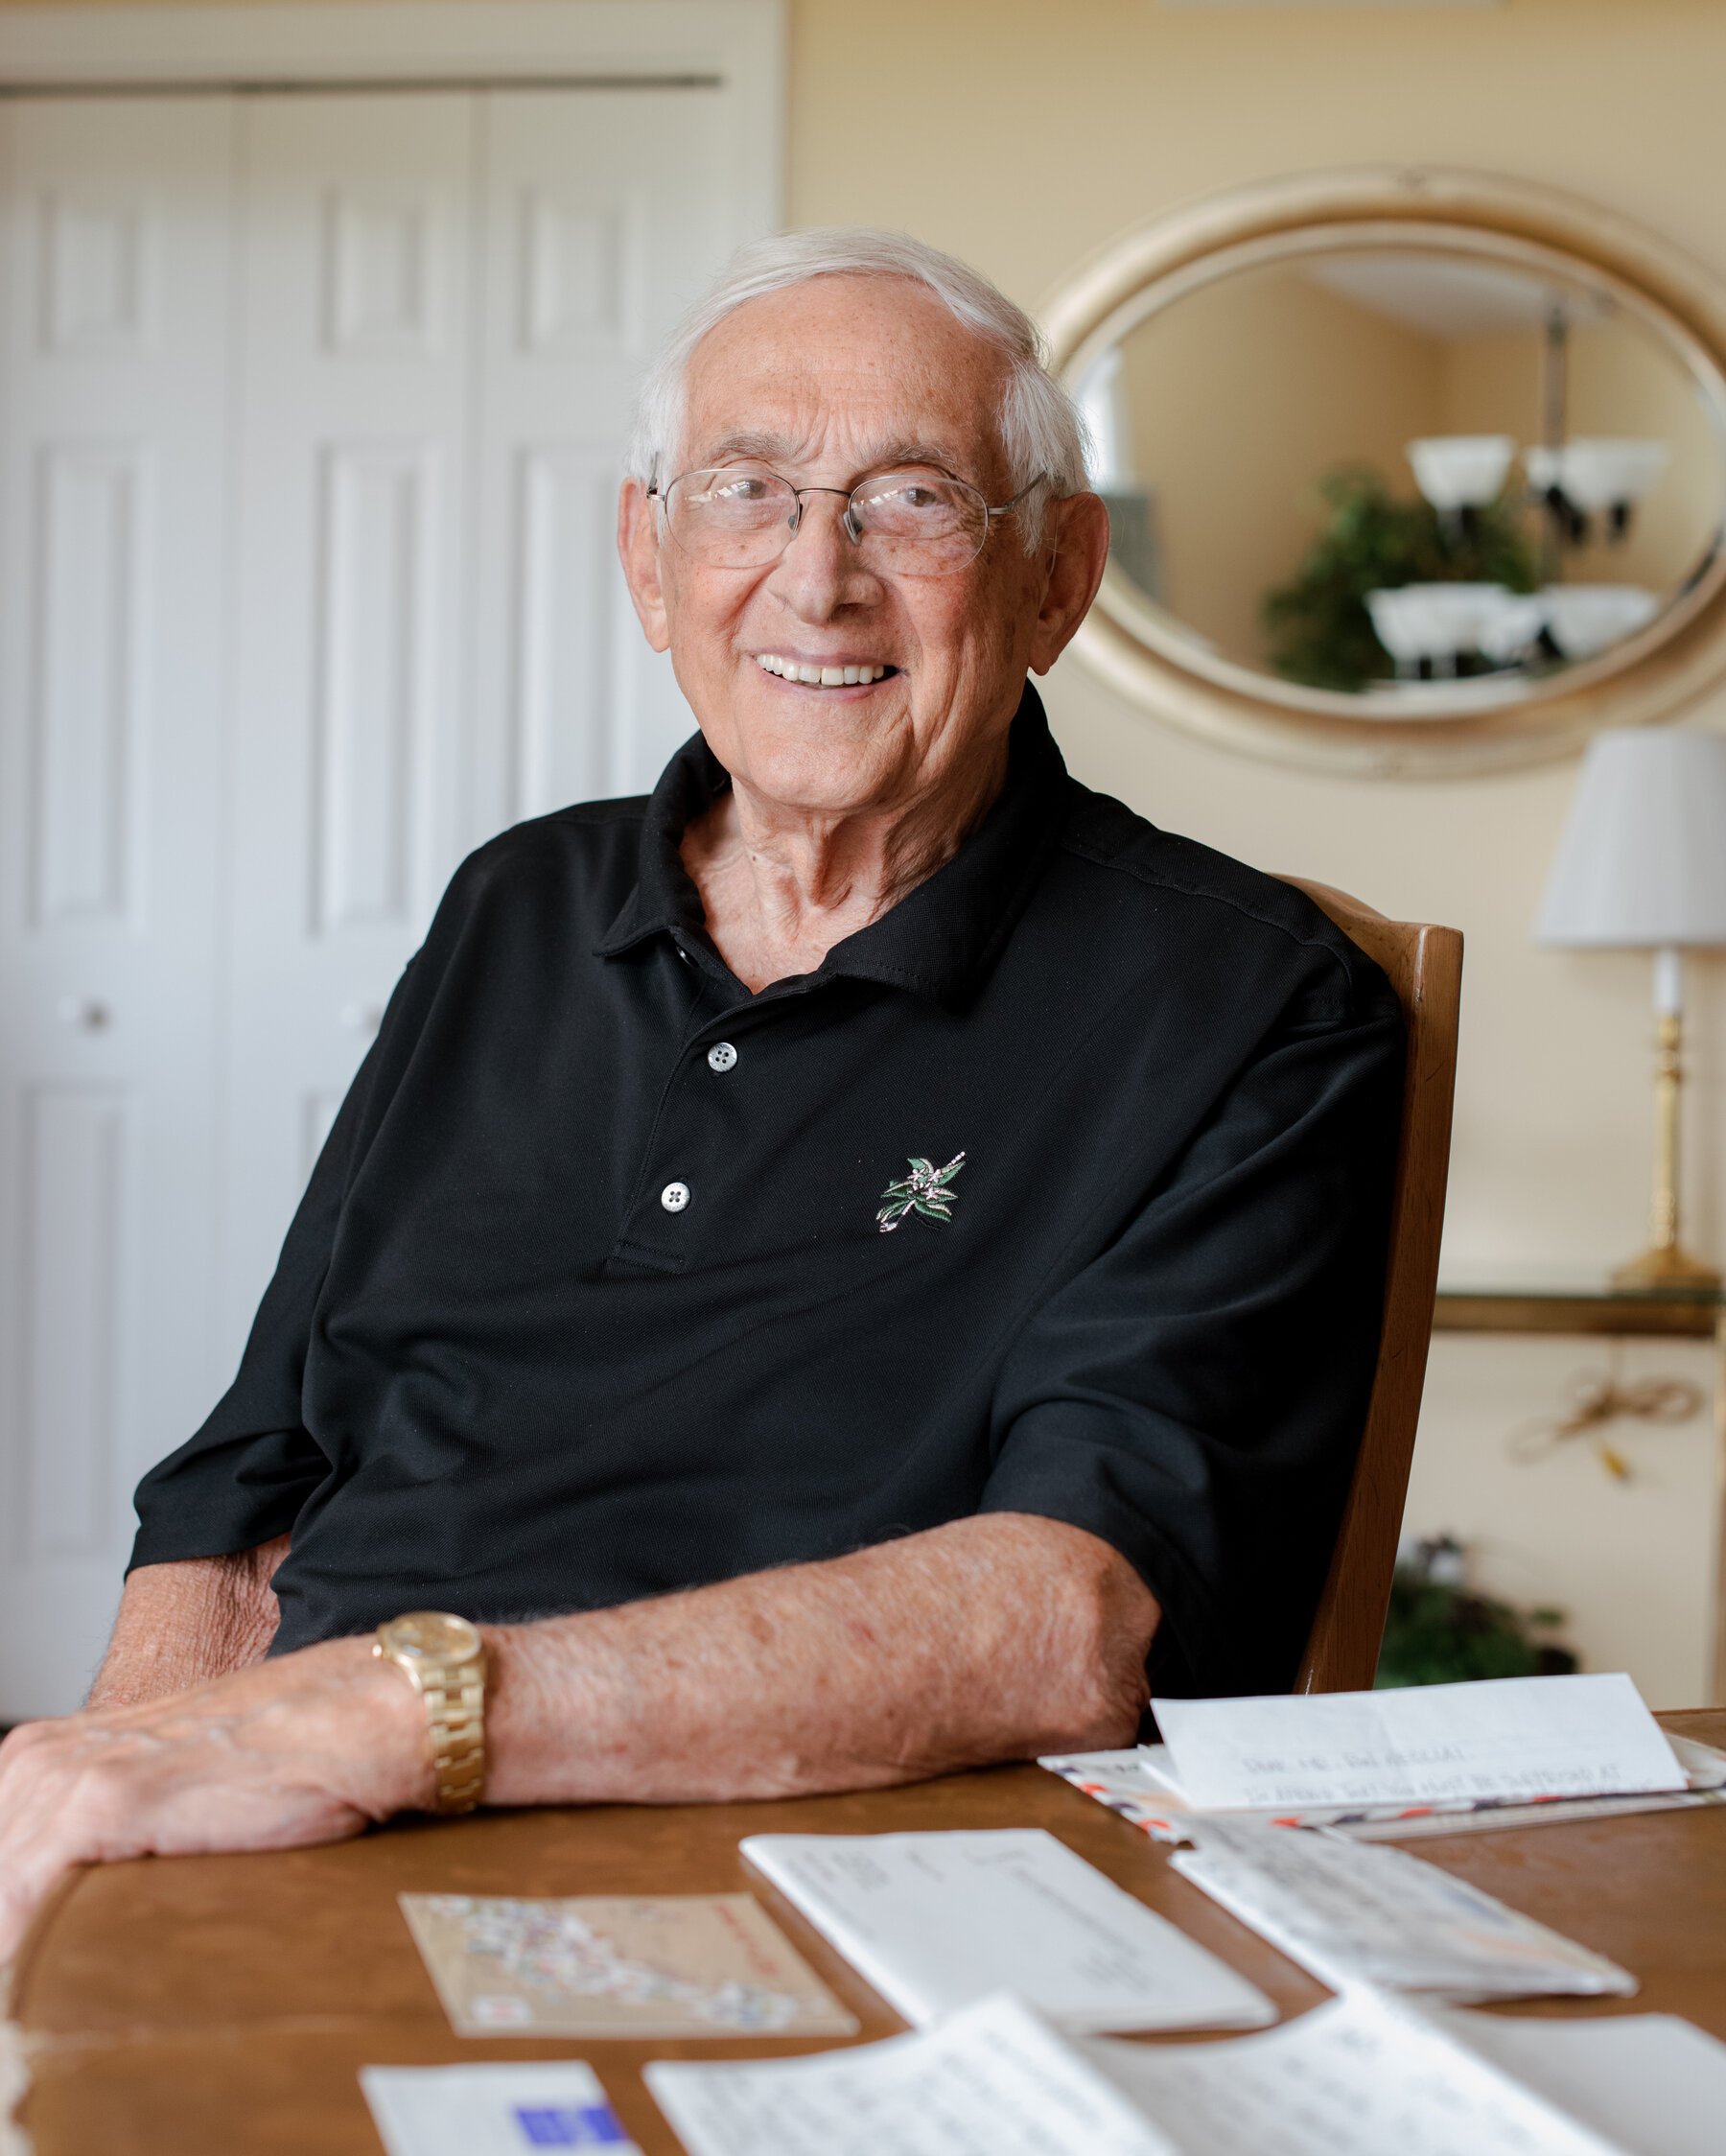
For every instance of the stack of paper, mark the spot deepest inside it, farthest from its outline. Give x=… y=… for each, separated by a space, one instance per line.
x=937 y=1921
x=1362 y=2077
x=1528 y=1737
x=1355 y=2078
x=1351 y=1914
x=1435 y=1759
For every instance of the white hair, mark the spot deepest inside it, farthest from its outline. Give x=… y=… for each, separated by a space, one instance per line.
x=1041 y=434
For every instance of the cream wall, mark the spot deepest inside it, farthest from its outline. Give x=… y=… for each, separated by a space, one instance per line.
x=1057 y=127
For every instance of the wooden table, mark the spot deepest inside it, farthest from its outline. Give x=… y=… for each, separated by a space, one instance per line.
x=179 y=2005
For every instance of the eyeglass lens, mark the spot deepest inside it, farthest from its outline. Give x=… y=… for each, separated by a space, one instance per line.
x=915 y=523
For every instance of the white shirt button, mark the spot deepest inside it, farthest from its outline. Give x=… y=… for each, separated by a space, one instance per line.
x=721 y=1056
x=675 y=1196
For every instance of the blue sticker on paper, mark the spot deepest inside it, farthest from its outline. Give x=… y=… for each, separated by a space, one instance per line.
x=557 y=2126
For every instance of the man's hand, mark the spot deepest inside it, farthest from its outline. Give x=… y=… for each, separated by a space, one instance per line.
x=309 y=1747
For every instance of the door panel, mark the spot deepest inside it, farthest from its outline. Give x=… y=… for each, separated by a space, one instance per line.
x=353 y=545
x=374 y=711
x=72 y=1216
x=604 y=216
x=85 y=743
x=114 y=268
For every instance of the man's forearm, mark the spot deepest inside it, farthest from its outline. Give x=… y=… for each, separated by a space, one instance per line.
x=181 y=1625
x=992 y=1638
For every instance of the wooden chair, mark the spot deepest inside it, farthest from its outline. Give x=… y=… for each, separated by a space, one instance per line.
x=1425 y=967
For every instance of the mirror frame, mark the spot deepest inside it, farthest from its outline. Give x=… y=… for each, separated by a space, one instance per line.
x=1147 y=654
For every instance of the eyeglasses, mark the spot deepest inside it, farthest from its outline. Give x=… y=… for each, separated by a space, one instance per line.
x=903 y=523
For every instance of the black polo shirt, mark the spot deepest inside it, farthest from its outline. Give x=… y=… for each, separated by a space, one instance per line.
x=605 y=1283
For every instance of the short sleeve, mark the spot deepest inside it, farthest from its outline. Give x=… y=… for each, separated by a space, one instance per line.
x=1196 y=1395
x=244 y=1476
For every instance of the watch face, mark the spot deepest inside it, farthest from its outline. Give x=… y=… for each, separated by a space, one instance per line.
x=430 y=1635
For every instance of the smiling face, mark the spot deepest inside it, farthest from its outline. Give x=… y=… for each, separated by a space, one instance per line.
x=826 y=384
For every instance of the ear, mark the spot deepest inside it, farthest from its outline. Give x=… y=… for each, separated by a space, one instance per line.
x=1075 y=534
x=638 y=549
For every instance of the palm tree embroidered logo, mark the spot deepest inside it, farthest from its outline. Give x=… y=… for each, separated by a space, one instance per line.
x=925 y=1190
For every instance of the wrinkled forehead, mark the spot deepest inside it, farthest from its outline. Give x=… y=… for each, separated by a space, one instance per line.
x=845 y=372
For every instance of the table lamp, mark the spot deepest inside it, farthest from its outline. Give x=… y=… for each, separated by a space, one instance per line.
x=1643 y=865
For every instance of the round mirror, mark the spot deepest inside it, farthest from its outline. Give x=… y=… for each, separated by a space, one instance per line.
x=1410 y=472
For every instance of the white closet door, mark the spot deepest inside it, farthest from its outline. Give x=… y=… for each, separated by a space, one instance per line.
x=449 y=301
x=355 y=567
x=605 y=214
x=114 y=268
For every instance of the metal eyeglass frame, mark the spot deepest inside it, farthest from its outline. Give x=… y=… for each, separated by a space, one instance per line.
x=853 y=531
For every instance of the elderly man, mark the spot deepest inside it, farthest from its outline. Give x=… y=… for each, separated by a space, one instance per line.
x=863 y=1263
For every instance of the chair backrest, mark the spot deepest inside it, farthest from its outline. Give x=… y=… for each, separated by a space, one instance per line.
x=1424 y=965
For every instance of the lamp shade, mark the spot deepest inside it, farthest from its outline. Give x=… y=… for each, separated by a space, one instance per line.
x=1461 y=471
x=1643 y=859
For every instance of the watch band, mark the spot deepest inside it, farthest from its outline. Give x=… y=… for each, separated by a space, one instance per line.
x=444 y=1659
x=455 y=1713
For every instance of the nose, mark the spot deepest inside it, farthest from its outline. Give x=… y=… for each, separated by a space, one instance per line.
x=820 y=570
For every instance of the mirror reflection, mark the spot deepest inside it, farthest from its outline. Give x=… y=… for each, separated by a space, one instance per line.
x=1409 y=475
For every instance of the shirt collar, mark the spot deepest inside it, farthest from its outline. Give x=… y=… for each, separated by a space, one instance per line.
x=940 y=939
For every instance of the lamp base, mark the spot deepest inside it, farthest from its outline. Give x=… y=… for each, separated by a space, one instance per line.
x=1669 y=1268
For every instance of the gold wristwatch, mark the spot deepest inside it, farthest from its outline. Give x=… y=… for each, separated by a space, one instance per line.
x=444 y=1659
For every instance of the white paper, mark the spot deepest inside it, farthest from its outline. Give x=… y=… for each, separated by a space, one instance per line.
x=994 y=2081
x=1499 y=1818
x=937 y=1921
x=1704 y=1767
x=491 y=2110
x=1366 y=2076
x=1653 y=2083
x=1137 y=1787
x=1351 y=1913
x=1150 y=1770
x=1524 y=1736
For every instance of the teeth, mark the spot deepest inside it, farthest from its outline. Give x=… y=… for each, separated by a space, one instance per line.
x=817 y=677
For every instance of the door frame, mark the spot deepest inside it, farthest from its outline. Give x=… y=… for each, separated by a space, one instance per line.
x=736 y=47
